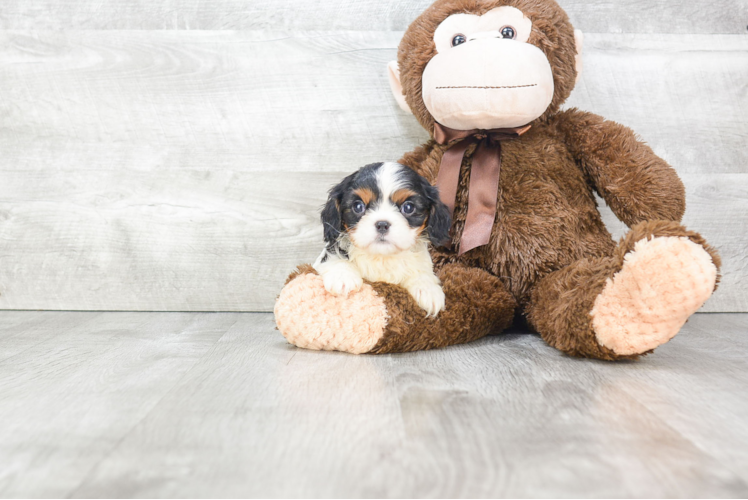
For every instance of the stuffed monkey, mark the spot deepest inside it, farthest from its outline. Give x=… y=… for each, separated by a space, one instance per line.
x=487 y=79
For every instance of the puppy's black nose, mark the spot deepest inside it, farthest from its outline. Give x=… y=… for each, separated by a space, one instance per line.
x=383 y=226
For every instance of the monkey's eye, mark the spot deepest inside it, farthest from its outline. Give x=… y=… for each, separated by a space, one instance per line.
x=358 y=207
x=458 y=39
x=408 y=208
x=508 y=32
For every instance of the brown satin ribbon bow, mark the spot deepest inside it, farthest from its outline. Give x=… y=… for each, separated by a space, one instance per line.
x=484 y=177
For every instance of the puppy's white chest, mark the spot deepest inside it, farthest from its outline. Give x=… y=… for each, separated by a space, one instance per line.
x=395 y=269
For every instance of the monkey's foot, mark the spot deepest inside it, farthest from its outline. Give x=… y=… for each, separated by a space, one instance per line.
x=312 y=318
x=663 y=281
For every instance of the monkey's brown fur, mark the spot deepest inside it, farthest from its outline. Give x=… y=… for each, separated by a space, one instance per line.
x=550 y=254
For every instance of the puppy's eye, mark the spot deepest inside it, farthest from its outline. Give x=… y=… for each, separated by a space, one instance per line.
x=358 y=207
x=508 y=32
x=408 y=208
x=458 y=39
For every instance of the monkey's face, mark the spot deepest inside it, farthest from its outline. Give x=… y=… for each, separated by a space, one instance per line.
x=485 y=75
x=485 y=65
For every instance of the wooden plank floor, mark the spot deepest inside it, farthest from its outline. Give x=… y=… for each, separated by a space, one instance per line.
x=218 y=404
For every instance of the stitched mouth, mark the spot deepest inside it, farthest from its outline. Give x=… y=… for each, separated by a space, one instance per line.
x=488 y=87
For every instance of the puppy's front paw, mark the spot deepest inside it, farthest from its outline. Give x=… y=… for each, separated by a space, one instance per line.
x=342 y=281
x=430 y=297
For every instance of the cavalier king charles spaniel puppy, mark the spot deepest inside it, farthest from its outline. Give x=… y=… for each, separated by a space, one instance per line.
x=378 y=223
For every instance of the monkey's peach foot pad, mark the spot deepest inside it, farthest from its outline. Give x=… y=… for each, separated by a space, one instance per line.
x=312 y=318
x=663 y=281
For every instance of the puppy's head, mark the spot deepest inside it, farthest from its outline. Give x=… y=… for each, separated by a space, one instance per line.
x=384 y=208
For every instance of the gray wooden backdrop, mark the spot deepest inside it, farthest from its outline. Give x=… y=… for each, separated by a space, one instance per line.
x=172 y=155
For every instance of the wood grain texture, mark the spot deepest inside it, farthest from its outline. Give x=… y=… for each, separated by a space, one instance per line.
x=175 y=240
x=154 y=405
x=184 y=170
x=252 y=101
x=621 y=16
x=320 y=102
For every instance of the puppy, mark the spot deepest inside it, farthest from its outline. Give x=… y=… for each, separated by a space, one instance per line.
x=378 y=223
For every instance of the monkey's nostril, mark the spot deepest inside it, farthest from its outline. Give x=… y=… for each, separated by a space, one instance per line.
x=382 y=226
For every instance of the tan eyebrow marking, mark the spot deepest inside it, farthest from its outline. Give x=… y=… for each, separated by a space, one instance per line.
x=366 y=195
x=401 y=195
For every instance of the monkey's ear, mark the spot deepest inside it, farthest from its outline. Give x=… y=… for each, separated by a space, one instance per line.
x=579 y=42
x=393 y=72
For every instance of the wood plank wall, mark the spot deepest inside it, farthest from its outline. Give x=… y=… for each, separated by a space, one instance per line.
x=172 y=155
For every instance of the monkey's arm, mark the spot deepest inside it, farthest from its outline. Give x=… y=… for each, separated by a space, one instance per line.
x=635 y=183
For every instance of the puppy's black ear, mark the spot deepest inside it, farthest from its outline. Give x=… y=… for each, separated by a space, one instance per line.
x=440 y=221
x=332 y=221
x=332 y=214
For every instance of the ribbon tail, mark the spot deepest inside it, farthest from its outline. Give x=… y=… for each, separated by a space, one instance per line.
x=448 y=177
x=483 y=196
